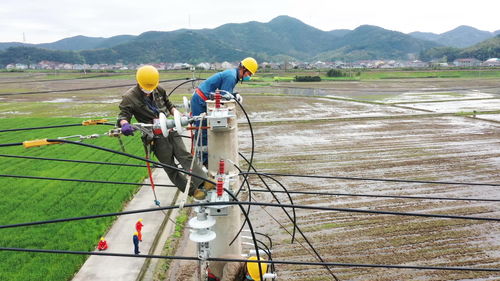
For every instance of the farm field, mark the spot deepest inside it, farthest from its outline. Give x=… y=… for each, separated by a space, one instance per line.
x=432 y=129
x=26 y=200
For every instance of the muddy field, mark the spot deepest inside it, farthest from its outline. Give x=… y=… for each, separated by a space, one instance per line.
x=416 y=129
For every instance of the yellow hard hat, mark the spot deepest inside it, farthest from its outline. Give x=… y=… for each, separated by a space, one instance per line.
x=148 y=77
x=140 y=219
x=136 y=233
x=250 y=64
x=102 y=238
x=253 y=268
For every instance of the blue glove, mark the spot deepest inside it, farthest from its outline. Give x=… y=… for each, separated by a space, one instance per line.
x=127 y=129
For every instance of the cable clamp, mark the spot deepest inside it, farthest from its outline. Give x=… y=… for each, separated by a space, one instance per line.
x=94 y=122
x=39 y=142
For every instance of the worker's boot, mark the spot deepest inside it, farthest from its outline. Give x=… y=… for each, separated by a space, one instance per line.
x=208 y=186
x=199 y=194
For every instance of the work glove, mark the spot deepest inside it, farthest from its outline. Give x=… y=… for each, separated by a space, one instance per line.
x=127 y=129
x=227 y=96
x=239 y=98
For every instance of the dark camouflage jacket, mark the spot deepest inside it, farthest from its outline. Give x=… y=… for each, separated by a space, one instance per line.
x=143 y=108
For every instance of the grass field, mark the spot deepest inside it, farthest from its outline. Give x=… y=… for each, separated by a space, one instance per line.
x=27 y=200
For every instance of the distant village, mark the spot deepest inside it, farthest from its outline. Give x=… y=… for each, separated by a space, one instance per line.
x=380 y=64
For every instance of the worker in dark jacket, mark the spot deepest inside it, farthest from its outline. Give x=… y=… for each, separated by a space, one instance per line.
x=145 y=101
x=135 y=239
x=226 y=81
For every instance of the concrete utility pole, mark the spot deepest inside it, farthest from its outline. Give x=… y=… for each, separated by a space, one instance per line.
x=215 y=226
x=223 y=145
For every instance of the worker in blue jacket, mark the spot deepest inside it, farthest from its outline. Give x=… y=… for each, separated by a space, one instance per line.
x=225 y=81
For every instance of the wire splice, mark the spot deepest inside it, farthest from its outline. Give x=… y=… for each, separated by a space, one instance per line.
x=36 y=143
x=94 y=122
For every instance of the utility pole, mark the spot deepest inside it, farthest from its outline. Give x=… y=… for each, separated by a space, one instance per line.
x=215 y=226
x=223 y=145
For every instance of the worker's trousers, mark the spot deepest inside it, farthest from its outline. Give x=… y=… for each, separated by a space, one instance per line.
x=172 y=146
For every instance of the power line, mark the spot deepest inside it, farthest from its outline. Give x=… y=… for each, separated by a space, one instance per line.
x=65 y=79
x=79 y=180
x=244 y=260
x=265 y=190
x=373 y=179
x=50 y=127
x=76 y=161
x=251 y=203
x=380 y=196
x=83 y=89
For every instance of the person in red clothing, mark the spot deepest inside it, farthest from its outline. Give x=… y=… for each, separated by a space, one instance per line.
x=138 y=227
x=103 y=245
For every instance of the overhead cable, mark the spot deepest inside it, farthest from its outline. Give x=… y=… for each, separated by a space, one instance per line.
x=478 y=269
x=83 y=89
x=251 y=203
x=375 y=179
x=79 y=180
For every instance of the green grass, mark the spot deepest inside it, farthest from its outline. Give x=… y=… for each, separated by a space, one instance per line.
x=25 y=200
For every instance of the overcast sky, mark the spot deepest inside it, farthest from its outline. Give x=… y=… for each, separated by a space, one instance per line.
x=44 y=21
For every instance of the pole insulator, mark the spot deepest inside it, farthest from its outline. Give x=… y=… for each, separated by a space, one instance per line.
x=217 y=99
x=221 y=167
x=220 y=187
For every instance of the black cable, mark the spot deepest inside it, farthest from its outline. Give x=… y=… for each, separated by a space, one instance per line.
x=268 y=238
x=295 y=226
x=11 y=144
x=248 y=209
x=80 y=180
x=382 y=196
x=294 y=219
x=244 y=260
x=250 y=227
x=265 y=190
x=246 y=203
x=76 y=161
x=133 y=156
x=190 y=80
x=50 y=127
x=82 y=89
x=375 y=179
x=252 y=139
x=62 y=79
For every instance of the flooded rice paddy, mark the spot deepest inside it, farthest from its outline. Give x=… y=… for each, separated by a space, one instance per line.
x=408 y=129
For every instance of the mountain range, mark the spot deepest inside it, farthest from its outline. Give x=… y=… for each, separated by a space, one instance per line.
x=282 y=38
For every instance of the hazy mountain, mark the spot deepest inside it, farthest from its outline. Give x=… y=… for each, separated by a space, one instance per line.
x=282 y=37
x=372 y=42
x=425 y=35
x=482 y=51
x=6 y=45
x=487 y=49
x=78 y=43
x=339 y=32
x=460 y=37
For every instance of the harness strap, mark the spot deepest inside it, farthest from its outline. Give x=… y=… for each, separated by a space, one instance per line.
x=201 y=94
